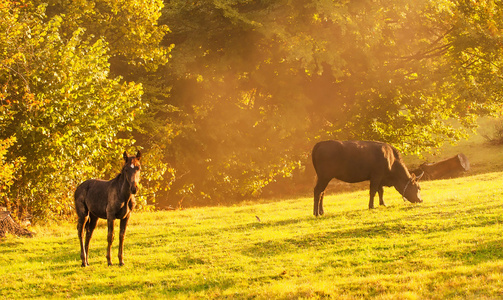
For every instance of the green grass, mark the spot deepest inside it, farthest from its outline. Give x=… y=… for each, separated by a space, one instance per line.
x=449 y=247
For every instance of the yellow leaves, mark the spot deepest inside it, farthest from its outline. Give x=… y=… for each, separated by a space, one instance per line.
x=8 y=168
x=64 y=103
x=317 y=18
x=247 y=99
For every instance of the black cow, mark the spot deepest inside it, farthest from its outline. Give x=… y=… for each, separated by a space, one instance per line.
x=356 y=161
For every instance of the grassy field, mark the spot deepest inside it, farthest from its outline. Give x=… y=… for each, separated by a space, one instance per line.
x=449 y=247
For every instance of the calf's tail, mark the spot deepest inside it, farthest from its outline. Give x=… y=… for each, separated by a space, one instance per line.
x=79 y=199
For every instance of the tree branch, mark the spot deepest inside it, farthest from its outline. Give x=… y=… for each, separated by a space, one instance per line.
x=431 y=52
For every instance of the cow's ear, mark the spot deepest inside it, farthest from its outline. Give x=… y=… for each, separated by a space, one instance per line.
x=138 y=154
x=125 y=156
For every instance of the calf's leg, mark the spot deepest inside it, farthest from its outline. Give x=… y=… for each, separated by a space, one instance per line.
x=80 y=229
x=90 y=226
x=122 y=234
x=110 y=238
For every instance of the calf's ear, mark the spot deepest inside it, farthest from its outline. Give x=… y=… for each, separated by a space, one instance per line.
x=138 y=155
x=125 y=156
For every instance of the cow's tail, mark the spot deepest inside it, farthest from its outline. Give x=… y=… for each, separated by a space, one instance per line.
x=315 y=148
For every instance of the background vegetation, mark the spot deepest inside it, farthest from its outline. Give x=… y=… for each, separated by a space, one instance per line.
x=227 y=97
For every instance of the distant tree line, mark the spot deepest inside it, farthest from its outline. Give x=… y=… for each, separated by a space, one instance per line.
x=226 y=97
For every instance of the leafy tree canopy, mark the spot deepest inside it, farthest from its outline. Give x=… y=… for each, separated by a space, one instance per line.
x=257 y=83
x=227 y=97
x=62 y=111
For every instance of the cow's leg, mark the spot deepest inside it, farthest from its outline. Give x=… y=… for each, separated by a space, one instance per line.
x=320 y=205
x=90 y=226
x=110 y=238
x=373 y=189
x=381 y=195
x=80 y=229
x=318 y=196
x=122 y=234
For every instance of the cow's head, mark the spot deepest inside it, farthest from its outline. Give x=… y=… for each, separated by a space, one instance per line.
x=412 y=189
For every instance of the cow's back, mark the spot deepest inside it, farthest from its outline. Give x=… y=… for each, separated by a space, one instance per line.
x=352 y=161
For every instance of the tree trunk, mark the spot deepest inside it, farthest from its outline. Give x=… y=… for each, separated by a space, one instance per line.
x=7 y=224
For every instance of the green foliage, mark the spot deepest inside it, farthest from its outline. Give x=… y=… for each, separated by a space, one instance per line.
x=62 y=107
x=133 y=37
x=130 y=27
x=7 y=170
x=256 y=83
x=497 y=137
x=234 y=93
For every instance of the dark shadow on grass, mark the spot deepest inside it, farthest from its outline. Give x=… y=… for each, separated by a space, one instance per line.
x=318 y=241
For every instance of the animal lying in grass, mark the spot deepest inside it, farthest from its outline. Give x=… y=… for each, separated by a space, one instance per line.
x=356 y=161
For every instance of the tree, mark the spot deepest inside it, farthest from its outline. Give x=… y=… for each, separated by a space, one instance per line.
x=133 y=37
x=249 y=87
x=60 y=106
x=255 y=83
x=130 y=28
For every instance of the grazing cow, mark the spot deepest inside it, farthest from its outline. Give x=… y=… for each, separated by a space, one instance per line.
x=109 y=200
x=356 y=161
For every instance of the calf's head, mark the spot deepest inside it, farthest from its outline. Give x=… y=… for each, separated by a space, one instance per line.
x=412 y=190
x=131 y=170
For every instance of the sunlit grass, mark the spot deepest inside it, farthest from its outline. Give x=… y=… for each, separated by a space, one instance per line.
x=449 y=247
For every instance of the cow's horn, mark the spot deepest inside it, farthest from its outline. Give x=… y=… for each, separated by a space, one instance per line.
x=419 y=177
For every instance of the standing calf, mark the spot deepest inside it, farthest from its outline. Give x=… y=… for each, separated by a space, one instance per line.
x=109 y=200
